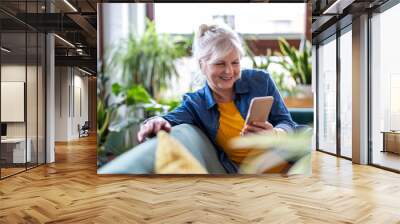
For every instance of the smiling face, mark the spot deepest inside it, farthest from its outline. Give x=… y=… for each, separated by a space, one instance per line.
x=221 y=73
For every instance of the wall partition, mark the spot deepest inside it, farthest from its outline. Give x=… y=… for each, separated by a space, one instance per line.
x=22 y=87
x=334 y=93
x=14 y=153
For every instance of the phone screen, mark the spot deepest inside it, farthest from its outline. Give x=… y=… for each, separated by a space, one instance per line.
x=259 y=109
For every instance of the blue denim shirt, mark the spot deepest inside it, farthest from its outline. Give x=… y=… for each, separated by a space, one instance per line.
x=199 y=108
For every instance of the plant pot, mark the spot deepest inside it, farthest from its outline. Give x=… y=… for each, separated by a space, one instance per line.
x=297 y=102
x=304 y=91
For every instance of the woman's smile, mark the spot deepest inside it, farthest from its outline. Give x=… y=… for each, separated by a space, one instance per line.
x=226 y=78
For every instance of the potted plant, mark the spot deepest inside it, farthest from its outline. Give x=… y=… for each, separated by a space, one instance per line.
x=148 y=59
x=119 y=114
x=282 y=80
x=112 y=128
x=140 y=66
x=297 y=62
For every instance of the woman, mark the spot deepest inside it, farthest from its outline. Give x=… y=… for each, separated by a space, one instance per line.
x=220 y=106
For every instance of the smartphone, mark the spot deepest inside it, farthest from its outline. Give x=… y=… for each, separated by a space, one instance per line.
x=259 y=109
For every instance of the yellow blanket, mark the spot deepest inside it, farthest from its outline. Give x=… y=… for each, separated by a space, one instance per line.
x=173 y=158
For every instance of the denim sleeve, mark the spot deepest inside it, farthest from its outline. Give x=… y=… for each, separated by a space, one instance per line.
x=279 y=115
x=181 y=114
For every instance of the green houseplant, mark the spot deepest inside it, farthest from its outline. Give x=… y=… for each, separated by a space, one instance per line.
x=264 y=63
x=111 y=127
x=296 y=64
x=117 y=114
x=148 y=59
x=141 y=67
x=296 y=61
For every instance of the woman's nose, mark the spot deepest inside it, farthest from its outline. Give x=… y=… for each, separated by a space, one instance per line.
x=228 y=69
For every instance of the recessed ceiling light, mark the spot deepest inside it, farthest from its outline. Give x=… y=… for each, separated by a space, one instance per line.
x=70 y=5
x=84 y=71
x=64 y=40
x=5 y=50
x=337 y=7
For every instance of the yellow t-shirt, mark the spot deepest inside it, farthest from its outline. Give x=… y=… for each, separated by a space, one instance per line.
x=231 y=124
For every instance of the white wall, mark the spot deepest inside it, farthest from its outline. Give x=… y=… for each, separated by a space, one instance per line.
x=61 y=103
x=71 y=94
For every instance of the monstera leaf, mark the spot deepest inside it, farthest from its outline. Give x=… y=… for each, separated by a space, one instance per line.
x=294 y=148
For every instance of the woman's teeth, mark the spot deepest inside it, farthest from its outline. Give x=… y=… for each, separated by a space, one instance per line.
x=226 y=78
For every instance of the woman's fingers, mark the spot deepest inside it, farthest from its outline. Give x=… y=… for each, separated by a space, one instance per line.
x=162 y=125
x=152 y=127
x=140 y=136
x=252 y=128
x=144 y=131
x=167 y=126
x=257 y=127
x=157 y=127
x=263 y=125
x=249 y=129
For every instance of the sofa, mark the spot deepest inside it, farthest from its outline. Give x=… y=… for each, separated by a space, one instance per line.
x=302 y=116
x=141 y=159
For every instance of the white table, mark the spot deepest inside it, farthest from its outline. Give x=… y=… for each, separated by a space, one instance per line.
x=19 y=149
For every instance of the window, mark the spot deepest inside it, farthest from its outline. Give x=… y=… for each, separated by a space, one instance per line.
x=22 y=74
x=346 y=94
x=385 y=84
x=327 y=96
x=244 y=18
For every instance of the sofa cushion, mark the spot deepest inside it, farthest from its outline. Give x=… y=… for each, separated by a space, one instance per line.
x=304 y=116
x=173 y=158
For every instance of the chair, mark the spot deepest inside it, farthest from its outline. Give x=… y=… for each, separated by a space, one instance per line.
x=84 y=130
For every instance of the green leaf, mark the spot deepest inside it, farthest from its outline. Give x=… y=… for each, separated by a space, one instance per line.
x=296 y=62
x=137 y=94
x=116 y=88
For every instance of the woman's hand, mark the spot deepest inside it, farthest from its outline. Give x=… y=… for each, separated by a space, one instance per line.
x=152 y=126
x=260 y=128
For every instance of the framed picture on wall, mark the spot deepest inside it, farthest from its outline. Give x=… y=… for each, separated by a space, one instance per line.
x=12 y=101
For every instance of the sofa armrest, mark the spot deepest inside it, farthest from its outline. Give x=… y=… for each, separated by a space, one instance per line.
x=141 y=159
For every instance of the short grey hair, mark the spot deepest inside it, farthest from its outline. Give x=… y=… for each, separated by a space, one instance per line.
x=212 y=42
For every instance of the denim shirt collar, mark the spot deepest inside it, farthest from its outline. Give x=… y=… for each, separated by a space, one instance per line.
x=240 y=87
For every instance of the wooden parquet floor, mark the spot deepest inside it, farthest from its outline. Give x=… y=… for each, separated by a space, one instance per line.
x=70 y=191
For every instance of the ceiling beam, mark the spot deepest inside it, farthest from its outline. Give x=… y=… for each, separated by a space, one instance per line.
x=82 y=61
x=84 y=24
